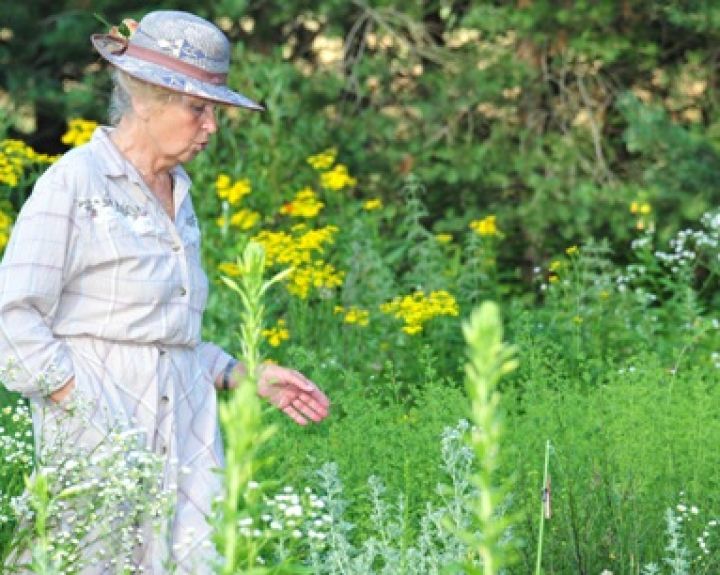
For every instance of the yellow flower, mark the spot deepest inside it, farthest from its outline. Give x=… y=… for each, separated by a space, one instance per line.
x=223 y=182
x=231 y=191
x=79 y=132
x=5 y=221
x=313 y=240
x=279 y=248
x=374 y=204
x=276 y=334
x=357 y=316
x=412 y=329
x=304 y=205
x=244 y=219
x=571 y=251
x=3 y=240
x=229 y=269
x=443 y=238
x=417 y=308
x=323 y=160
x=15 y=157
x=337 y=178
x=555 y=265
x=553 y=278
x=485 y=227
x=317 y=275
x=638 y=207
x=302 y=249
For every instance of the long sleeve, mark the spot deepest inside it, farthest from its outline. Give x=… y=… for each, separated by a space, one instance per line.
x=32 y=276
x=214 y=358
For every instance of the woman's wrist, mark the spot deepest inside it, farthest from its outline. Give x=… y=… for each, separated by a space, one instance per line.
x=227 y=378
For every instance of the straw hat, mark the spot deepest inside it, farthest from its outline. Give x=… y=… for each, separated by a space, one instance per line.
x=178 y=51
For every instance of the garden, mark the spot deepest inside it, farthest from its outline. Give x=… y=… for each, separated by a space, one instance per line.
x=489 y=231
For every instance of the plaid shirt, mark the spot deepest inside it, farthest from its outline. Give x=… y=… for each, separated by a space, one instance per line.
x=99 y=284
x=93 y=254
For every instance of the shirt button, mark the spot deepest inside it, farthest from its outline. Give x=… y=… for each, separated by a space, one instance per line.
x=176 y=248
x=165 y=399
x=162 y=352
x=183 y=291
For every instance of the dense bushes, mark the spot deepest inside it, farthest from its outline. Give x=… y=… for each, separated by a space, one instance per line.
x=522 y=110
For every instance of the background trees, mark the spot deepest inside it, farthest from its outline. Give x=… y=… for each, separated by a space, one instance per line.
x=555 y=116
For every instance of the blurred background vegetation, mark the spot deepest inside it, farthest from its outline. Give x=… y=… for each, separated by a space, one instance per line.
x=564 y=119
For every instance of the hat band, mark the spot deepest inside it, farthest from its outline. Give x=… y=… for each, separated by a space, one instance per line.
x=165 y=61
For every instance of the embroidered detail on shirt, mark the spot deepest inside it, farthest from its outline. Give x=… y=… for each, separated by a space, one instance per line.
x=105 y=208
x=142 y=224
x=96 y=205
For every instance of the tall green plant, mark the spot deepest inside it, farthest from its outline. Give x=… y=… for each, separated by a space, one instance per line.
x=489 y=359
x=241 y=417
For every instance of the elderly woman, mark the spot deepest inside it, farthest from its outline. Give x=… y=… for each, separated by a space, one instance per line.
x=101 y=288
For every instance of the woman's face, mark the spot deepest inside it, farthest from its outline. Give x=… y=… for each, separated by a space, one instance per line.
x=181 y=128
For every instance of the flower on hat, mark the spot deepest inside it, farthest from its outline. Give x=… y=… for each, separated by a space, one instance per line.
x=125 y=30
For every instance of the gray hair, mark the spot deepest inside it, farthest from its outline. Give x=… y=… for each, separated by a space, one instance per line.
x=125 y=88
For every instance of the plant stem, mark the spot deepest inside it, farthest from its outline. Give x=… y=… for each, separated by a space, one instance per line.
x=543 y=502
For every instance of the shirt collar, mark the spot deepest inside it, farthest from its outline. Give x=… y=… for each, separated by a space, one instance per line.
x=115 y=165
x=111 y=160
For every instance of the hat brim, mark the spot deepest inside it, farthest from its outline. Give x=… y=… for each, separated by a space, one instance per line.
x=155 y=74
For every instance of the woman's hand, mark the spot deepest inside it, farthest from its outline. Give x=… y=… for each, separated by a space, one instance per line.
x=59 y=395
x=293 y=393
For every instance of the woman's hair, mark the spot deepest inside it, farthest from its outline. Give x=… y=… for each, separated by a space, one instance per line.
x=125 y=87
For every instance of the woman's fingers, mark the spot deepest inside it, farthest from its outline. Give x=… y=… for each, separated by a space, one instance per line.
x=302 y=404
x=294 y=394
x=310 y=408
x=313 y=394
x=294 y=414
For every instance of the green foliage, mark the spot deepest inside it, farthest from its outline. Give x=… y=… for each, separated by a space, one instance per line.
x=372 y=430
x=387 y=546
x=16 y=451
x=681 y=168
x=522 y=112
x=588 y=129
x=622 y=452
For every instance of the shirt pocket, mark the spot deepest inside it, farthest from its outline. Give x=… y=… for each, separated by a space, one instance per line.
x=113 y=236
x=124 y=258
